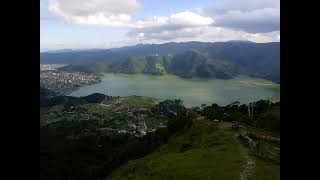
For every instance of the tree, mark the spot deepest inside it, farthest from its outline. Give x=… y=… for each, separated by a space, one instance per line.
x=269 y=120
x=179 y=122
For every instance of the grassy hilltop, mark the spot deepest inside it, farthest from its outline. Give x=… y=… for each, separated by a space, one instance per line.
x=202 y=151
x=92 y=137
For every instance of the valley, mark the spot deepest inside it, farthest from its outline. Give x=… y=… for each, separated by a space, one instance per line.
x=190 y=110
x=136 y=137
x=159 y=90
x=222 y=60
x=193 y=92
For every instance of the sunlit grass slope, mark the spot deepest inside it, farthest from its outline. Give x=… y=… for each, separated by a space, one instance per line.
x=198 y=152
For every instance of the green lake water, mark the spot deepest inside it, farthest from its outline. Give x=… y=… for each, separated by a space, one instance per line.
x=193 y=92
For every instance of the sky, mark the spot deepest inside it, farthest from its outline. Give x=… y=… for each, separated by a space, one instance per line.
x=86 y=24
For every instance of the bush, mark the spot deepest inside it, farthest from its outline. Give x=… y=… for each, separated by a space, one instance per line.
x=94 y=98
x=269 y=120
x=181 y=121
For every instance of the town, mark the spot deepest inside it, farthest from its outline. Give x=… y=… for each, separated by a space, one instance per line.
x=137 y=115
x=50 y=67
x=62 y=82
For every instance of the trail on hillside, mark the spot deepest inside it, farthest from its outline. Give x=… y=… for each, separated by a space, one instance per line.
x=248 y=170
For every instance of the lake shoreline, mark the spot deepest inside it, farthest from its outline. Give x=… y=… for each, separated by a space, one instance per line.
x=193 y=91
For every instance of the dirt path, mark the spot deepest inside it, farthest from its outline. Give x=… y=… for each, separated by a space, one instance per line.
x=248 y=169
x=105 y=105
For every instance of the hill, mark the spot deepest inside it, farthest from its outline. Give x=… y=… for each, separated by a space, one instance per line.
x=256 y=59
x=193 y=63
x=134 y=137
x=202 y=151
x=198 y=152
x=80 y=57
x=130 y=65
x=156 y=65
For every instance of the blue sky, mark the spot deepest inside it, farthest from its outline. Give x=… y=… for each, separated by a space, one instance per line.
x=80 y=24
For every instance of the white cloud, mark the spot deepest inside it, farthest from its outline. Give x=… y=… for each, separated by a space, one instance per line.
x=170 y=34
x=253 y=16
x=44 y=15
x=253 y=20
x=205 y=34
x=183 y=24
x=224 y=6
x=176 y=21
x=273 y=36
x=115 y=13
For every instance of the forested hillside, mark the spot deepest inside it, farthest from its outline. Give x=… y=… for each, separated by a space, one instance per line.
x=99 y=136
x=190 y=59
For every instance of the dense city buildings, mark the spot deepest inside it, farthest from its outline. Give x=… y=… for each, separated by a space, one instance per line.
x=50 y=67
x=62 y=82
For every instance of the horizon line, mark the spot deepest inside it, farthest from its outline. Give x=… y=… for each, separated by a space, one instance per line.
x=84 y=49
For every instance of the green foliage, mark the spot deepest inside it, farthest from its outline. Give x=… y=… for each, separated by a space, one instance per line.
x=66 y=151
x=48 y=100
x=196 y=64
x=192 y=153
x=190 y=59
x=94 y=98
x=266 y=115
x=75 y=142
x=266 y=170
x=169 y=108
x=132 y=65
x=214 y=112
x=136 y=102
x=45 y=94
x=155 y=65
x=269 y=120
x=179 y=122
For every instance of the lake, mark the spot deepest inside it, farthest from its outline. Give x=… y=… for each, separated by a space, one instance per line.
x=193 y=92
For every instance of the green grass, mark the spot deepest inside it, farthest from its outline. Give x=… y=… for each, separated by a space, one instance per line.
x=115 y=117
x=200 y=152
x=160 y=67
x=267 y=170
x=136 y=102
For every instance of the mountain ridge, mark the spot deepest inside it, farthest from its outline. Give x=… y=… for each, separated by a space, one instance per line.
x=218 y=59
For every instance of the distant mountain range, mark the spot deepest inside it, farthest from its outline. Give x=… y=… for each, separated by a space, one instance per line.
x=187 y=59
x=71 y=50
